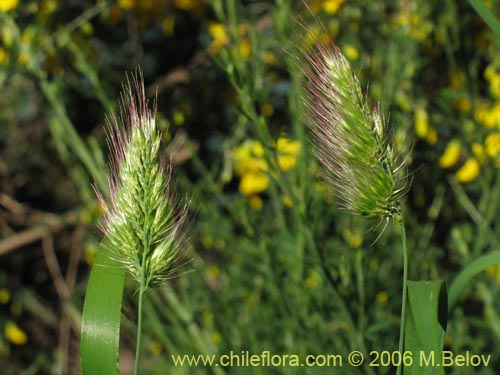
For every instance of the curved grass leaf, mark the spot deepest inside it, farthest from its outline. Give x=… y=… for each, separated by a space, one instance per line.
x=425 y=327
x=100 y=341
x=465 y=276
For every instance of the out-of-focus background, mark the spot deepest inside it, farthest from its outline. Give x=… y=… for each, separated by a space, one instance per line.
x=276 y=265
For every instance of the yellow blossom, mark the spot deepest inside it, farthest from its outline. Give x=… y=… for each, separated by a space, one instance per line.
x=168 y=26
x=14 y=334
x=288 y=151
x=495 y=86
x=219 y=36
x=253 y=182
x=479 y=153
x=287 y=162
x=245 y=49
x=489 y=118
x=457 y=79
x=183 y=4
x=255 y=202
x=403 y=101
x=432 y=136
x=6 y=5
x=492 y=76
x=270 y=58
x=463 y=105
x=267 y=109
x=331 y=7
x=248 y=157
x=287 y=202
x=4 y=296
x=212 y=272
x=469 y=171
x=489 y=72
x=23 y=58
x=492 y=144
x=353 y=238
x=450 y=155
x=351 y=52
x=4 y=57
x=421 y=119
x=126 y=4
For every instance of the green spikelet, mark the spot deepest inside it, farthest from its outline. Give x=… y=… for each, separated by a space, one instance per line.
x=143 y=223
x=352 y=139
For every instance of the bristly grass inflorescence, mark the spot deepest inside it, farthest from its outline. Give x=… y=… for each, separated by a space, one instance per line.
x=353 y=144
x=143 y=224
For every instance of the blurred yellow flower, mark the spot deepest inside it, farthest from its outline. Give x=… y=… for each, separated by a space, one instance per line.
x=245 y=49
x=6 y=5
x=421 y=119
x=219 y=36
x=287 y=202
x=492 y=144
x=469 y=171
x=457 y=79
x=14 y=334
x=248 y=157
x=351 y=52
x=450 y=155
x=402 y=100
x=331 y=7
x=432 y=136
x=492 y=76
x=23 y=58
x=488 y=117
x=253 y=182
x=255 y=202
x=288 y=151
x=4 y=57
x=184 y=4
x=479 y=153
x=267 y=110
x=168 y=26
x=411 y=21
x=4 y=296
x=270 y=58
x=126 y=4
x=251 y=166
x=353 y=237
x=463 y=105
x=212 y=272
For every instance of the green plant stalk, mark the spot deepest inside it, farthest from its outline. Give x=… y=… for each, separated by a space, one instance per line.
x=405 y=287
x=138 y=344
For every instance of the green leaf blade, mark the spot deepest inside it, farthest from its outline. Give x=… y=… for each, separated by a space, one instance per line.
x=100 y=340
x=425 y=326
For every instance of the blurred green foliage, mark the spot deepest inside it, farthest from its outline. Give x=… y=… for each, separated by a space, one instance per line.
x=276 y=265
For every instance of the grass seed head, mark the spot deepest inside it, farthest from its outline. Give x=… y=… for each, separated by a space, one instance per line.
x=143 y=225
x=352 y=138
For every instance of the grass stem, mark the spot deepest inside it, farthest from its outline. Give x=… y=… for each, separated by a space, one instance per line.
x=403 y=303
x=138 y=344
